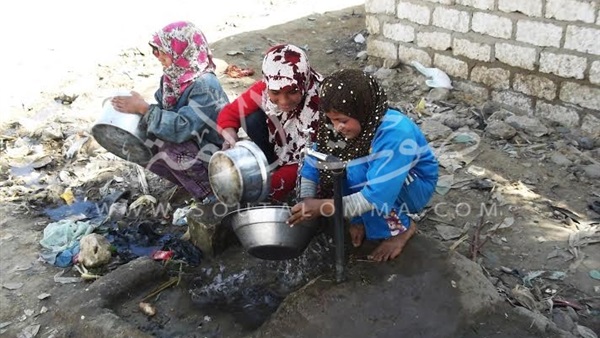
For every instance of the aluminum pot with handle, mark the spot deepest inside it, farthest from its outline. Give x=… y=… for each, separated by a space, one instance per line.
x=119 y=133
x=240 y=174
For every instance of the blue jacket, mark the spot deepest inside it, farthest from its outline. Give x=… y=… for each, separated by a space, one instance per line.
x=399 y=154
x=195 y=114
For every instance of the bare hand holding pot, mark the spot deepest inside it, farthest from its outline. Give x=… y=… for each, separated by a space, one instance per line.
x=132 y=104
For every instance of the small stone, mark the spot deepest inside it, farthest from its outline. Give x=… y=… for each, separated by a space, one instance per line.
x=95 y=250
x=362 y=55
x=560 y=159
x=206 y=231
x=359 y=38
x=586 y=143
x=529 y=125
x=562 y=320
x=43 y=296
x=500 y=130
x=500 y=115
x=592 y=170
x=573 y=314
x=438 y=94
x=370 y=69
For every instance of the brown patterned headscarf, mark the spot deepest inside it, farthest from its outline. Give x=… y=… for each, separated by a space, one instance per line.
x=357 y=95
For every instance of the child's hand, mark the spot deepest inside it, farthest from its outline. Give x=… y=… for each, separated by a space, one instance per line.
x=230 y=136
x=309 y=209
x=133 y=104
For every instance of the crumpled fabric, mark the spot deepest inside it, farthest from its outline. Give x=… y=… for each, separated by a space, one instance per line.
x=62 y=236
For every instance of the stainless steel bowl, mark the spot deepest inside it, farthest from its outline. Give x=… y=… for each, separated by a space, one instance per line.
x=263 y=232
x=240 y=174
x=119 y=134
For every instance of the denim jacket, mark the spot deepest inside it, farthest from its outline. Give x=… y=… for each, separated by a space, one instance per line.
x=194 y=116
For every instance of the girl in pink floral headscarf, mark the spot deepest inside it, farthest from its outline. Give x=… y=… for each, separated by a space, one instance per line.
x=190 y=57
x=182 y=124
x=277 y=113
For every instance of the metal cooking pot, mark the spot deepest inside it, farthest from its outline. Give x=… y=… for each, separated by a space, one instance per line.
x=263 y=232
x=119 y=134
x=240 y=174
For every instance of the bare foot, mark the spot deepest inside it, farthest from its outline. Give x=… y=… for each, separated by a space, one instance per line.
x=392 y=247
x=357 y=234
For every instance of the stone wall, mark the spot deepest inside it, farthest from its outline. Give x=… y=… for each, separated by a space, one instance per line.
x=538 y=57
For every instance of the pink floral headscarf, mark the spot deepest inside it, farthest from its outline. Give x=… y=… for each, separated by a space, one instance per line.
x=191 y=57
x=288 y=66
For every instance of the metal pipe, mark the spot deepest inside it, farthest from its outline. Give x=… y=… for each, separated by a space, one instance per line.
x=338 y=169
x=338 y=223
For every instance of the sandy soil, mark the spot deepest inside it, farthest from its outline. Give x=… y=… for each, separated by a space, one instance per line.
x=542 y=202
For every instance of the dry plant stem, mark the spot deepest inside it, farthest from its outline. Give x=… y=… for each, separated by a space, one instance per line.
x=172 y=281
x=476 y=242
x=475 y=245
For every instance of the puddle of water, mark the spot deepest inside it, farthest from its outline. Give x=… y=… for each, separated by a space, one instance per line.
x=251 y=289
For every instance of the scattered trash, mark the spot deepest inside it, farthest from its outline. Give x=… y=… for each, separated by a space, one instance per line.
x=30 y=331
x=556 y=275
x=43 y=310
x=67 y=196
x=595 y=274
x=237 y=72
x=85 y=274
x=582 y=238
x=76 y=145
x=29 y=312
x=143 y=200
x=524 y=297
x=63 y=235
x=65 y=280
x=235 y=52
x=444 y=184
x=531 y=276
x=476 y=170
x=12 y=286
x=161 y=255
x=436 y=78
x=147 y=309
x=66 y=99
x=180 y=216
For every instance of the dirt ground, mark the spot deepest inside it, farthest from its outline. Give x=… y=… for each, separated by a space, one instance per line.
x=527 y=206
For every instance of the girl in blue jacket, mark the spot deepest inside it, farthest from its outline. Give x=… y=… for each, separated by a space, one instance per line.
x=390 y=169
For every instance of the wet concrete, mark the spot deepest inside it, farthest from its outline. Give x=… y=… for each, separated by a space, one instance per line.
x=427 y=292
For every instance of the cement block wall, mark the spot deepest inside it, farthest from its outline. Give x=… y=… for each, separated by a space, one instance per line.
x=537 y=57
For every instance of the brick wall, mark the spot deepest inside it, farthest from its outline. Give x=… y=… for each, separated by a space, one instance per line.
x=538 y=57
